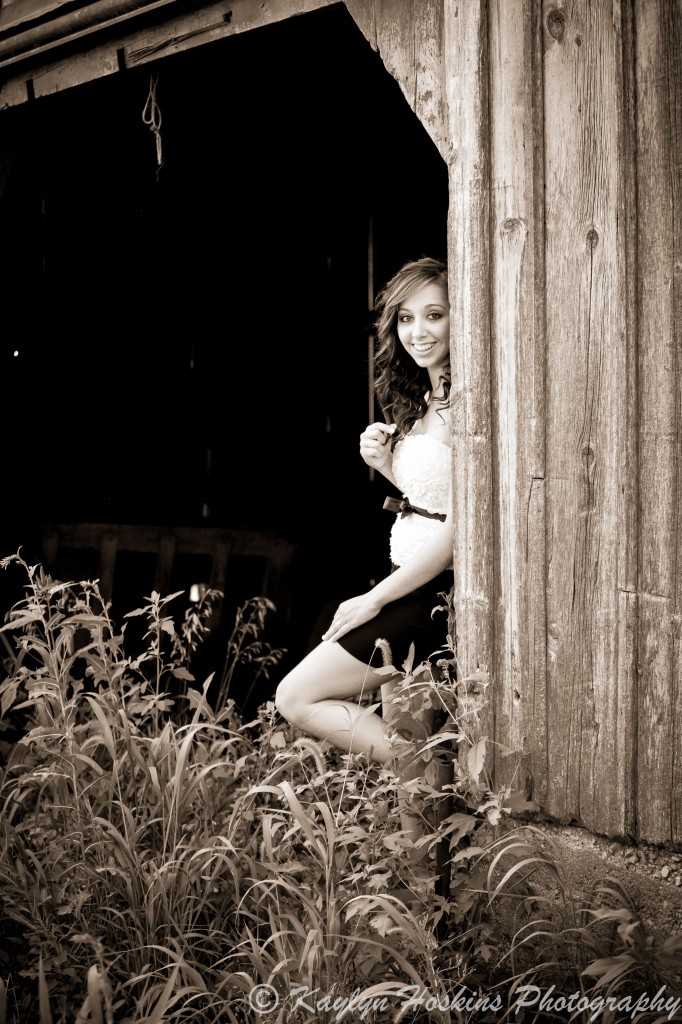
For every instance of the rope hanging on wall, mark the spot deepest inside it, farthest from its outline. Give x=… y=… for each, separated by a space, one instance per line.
x=151 y=116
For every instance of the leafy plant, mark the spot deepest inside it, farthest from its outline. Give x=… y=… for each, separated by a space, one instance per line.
x=114 y=862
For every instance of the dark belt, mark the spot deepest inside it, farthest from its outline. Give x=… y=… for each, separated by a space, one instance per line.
x=403 y=508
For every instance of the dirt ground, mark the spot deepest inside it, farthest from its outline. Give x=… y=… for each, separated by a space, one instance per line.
x=650 y=875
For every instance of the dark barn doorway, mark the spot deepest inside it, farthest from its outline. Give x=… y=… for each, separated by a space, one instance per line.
x=192 y=338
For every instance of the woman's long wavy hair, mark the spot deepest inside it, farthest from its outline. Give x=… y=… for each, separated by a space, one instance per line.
x=400 y=385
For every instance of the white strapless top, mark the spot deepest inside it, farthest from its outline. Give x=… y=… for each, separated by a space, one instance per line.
x=421 y=467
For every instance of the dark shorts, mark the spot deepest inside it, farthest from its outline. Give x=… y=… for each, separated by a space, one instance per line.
x=403 y=622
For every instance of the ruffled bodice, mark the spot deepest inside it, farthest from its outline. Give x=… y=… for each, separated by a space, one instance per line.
x=421 y=467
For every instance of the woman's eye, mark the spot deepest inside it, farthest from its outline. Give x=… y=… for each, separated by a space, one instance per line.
x=404 y=318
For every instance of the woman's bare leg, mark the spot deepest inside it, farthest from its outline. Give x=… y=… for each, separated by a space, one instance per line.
x=314 y=698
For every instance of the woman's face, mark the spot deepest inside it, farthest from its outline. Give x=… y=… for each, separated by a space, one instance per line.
x=423 y=325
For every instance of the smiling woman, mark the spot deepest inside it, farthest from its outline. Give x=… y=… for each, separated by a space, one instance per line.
x=411 y=451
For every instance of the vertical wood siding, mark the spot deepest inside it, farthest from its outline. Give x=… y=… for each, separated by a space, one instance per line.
x=517 y=299
x=564 y=131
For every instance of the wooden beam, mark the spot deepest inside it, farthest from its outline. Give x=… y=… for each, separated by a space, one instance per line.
x=466 y=82
x=80 y=49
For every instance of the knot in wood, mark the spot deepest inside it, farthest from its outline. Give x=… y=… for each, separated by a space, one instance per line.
x=587 y=454
x=556 y=24
x=592 y=238
x=511 y=224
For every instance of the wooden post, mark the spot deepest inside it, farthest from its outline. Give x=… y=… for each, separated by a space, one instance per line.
x=466 y=58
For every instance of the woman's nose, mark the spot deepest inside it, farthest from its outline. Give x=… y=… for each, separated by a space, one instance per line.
x=418 y=329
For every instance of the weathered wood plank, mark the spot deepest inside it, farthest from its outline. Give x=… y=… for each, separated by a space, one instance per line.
x=14 y=12
x=658 y=147
x=128 y=46
x=216 y=22
x=625 y=823
x=35 y=41
x=409 y=37
x=518 y=389
x=586 y=415
x=672 y=30
x=469 y=264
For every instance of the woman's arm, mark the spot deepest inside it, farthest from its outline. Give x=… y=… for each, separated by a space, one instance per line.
x=431 y=559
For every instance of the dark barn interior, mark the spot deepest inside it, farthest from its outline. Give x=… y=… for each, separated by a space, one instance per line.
x=186 y=345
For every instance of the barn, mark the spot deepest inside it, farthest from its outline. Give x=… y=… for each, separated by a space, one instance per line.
x=197 y=203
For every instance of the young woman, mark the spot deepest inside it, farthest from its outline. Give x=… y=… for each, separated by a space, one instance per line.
x=412 y=450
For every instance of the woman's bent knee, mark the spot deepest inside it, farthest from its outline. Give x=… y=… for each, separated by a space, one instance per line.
x=328 y=672
x=287 y=703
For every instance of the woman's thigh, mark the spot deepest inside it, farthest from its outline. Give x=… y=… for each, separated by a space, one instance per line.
x=329 y=671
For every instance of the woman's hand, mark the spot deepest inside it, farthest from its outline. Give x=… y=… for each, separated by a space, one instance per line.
x=375 y=446
x=351 y=613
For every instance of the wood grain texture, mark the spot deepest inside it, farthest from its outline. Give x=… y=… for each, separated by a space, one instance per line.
x=586 y=403
x=673 y=75
x=518 y=393
x=624 y=821
x=657 y=73
x=469 y=267
x=408 y=34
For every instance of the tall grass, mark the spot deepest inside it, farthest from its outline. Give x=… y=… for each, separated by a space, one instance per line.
x=163 y=860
